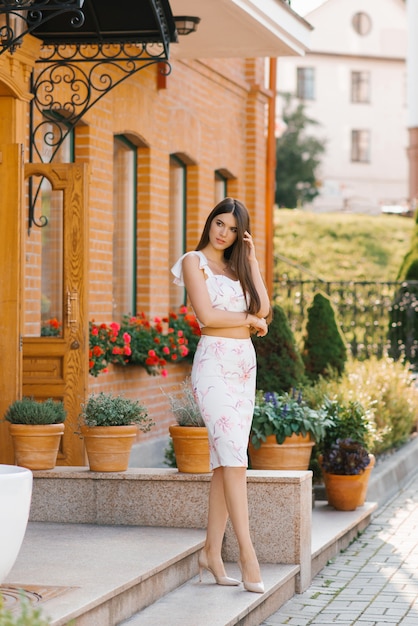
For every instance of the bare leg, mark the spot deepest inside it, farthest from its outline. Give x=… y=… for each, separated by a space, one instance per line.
x=228 y=494
x=235 y=490
x=217 y=518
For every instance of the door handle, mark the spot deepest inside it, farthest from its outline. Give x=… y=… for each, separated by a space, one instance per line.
x=72 y=308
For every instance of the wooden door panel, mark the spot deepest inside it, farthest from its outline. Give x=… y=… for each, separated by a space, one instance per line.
x=11 y=176
x=57 y=367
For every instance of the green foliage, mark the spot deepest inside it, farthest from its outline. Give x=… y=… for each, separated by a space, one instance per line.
x=184 y=406
x=279 y=364
x=108 y=410
x=324 y=347
x=403 y=324
x=30 y=411
x=343 y=246
x=284 y=415
x=27 y=616
x=169 y=455
x=297 y=157
x=348 y=421
x=385 y=388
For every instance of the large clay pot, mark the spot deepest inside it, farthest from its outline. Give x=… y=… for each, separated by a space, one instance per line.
x=15 y=498
x=346 y=493
x=191 y=448
x=36 y=445
x=109 y=447
x=293 y=454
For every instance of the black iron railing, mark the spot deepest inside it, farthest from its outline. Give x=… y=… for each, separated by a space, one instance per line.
x=376 y=318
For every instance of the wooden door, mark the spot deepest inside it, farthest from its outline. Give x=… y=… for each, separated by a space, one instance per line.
x=55 y=310
x=11 y=168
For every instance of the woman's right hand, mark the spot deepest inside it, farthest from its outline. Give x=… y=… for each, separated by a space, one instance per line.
x=259 y=324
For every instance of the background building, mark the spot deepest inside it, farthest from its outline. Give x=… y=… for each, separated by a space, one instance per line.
x=353 y=82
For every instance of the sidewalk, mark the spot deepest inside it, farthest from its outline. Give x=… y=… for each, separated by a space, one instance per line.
x=374 y=582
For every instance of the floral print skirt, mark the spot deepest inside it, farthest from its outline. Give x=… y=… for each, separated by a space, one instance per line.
x=223 y=380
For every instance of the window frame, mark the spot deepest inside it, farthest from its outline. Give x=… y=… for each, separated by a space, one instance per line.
x=359 y=154
x=305 y=83
x=134 y=235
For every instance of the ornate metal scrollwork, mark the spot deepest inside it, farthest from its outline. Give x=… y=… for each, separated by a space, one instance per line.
x=74 y=78
x=20 y=17
x=71 y=80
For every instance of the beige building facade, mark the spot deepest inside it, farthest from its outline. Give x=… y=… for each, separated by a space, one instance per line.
x=353 y=81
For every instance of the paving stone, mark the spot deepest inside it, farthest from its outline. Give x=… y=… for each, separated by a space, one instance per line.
x=373 y=582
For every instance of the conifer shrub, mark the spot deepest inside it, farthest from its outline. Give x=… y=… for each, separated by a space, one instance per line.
x=279 y=363
x=324 y=351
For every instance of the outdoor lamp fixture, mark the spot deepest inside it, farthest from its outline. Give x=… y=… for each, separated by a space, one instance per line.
x=186 y=24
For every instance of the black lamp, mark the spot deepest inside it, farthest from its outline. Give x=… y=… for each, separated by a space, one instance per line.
x=186 y=24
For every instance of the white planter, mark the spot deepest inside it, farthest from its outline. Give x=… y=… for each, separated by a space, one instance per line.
x=15 y=498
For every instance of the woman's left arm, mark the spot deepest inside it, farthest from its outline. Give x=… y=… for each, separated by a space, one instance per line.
x=257 y=278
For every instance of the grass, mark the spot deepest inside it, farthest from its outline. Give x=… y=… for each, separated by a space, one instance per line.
x=343 y=246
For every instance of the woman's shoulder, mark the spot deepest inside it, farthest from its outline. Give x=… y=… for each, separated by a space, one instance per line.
x=177 y=268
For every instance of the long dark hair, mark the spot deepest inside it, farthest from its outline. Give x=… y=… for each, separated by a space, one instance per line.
x=237 y=254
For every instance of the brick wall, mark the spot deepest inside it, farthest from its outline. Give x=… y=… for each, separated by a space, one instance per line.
x=211 y=112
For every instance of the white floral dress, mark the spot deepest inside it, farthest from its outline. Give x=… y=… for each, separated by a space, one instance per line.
x=224 y=375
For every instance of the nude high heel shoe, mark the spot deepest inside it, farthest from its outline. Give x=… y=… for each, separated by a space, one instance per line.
x=220 y=580
x=254 y=587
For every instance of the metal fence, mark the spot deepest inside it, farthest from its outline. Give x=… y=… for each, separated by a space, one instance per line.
x=376 y=318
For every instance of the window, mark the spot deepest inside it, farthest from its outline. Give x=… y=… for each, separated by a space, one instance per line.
x=360 y=146
x=360 y=86
x=221 y=187
x=305 y=83
x=44 y=270
x=124 y=227
x=178 y=209
x=362 y=23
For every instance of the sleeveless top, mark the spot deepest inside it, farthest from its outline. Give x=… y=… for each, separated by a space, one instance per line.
x=225 y=293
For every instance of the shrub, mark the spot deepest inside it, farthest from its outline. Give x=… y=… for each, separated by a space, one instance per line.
x=108 y=410
x=279 y=364
x=184 y=406
x=324 y=347
x=349 y=421
x=403 y=324
x=30 y=411
x=385 y=388
x=284 y=415
x=346 y=458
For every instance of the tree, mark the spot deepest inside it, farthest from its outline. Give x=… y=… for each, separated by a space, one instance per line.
x=324 y=350
x=297 y=157
x=279 y=363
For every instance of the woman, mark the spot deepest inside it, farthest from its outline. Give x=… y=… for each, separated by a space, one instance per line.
x=228 y=296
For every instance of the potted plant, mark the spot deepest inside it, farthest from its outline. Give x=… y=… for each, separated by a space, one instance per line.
x=189 y=435
x=345 y=460
x=284 y=430
x=109 y=427
x=36 y=429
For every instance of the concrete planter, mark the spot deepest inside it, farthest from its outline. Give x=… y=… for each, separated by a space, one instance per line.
x=15 y=499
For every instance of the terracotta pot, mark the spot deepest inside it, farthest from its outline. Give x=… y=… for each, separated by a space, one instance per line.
x=346 y=493
x=293 y=454
x=109 y=447
x=191 y=448
x=36 y=445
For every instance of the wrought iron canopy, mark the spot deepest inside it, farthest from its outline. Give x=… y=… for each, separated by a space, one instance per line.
x=130 y=21
x=82 y=61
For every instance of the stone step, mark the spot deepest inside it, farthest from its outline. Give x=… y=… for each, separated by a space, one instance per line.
x=208 y=604
x=92 y=575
